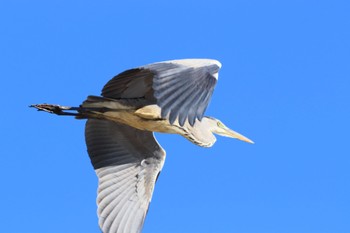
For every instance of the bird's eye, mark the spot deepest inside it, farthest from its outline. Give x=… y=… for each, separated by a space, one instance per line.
x=221 y=125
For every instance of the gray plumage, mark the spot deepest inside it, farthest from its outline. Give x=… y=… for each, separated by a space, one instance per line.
x=167 y=97
x=127 y=162
x=180 y=90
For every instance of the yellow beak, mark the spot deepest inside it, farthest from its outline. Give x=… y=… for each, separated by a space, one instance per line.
x=234 y=134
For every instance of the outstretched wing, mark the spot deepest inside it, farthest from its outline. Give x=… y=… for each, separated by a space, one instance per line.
x=127 y=162
x=182 y=88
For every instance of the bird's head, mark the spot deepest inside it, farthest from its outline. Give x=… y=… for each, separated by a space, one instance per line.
x=219 y=128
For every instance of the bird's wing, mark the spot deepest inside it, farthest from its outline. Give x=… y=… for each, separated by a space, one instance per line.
x=182 y=88
x=127 y=162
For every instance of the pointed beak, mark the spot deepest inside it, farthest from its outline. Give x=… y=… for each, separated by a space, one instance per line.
x=233 y=134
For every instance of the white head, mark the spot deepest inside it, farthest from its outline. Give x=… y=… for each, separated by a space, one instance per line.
x=217 y=127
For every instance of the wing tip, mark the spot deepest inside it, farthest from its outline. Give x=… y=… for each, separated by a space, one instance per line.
x=193 y=62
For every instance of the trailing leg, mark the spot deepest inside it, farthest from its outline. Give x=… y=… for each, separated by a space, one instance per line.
x=58 y=109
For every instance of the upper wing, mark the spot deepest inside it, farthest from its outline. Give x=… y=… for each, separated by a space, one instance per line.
x=182 y=88
x=127 y=162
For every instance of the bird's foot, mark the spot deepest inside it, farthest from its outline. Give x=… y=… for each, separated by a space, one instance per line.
x=55 y=109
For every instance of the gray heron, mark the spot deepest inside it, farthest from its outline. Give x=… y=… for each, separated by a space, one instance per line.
x=167 y=97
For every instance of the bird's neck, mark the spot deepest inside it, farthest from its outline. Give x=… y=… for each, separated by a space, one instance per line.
x=201 y=133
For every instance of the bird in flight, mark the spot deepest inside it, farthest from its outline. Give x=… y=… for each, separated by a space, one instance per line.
x=167 y=97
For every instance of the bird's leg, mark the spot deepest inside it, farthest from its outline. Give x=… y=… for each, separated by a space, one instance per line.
x=57 y=109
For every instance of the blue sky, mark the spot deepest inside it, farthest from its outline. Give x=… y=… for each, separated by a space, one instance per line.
x=284 y=83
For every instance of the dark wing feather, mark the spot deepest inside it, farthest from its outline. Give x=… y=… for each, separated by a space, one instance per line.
x=134 y=83
x=196 y=85
x=182 y=91
x=127 y=162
